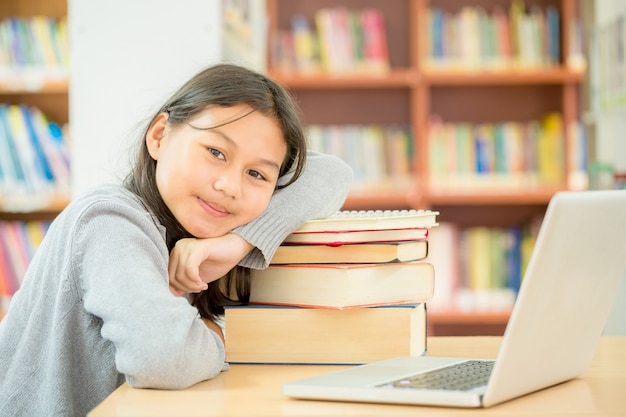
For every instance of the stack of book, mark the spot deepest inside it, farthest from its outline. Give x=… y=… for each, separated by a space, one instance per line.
x=351 y=288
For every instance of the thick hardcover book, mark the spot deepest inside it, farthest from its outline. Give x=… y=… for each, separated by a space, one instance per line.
x=271 y=334
x=340 y=286
x=352 y=253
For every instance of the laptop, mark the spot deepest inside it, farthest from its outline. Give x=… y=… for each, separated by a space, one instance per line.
x=564 y=300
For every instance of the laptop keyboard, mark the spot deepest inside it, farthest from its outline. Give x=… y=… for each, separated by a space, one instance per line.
x=462 y=376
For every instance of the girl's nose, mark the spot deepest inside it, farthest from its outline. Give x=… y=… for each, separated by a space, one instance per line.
x=229 y=184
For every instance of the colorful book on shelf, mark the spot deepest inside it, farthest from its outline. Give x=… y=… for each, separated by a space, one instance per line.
x=16 y=253
x=384 y=252
x=9 y=158
x=342 y=286
x=304 y=45
x=375 y=52
x=376 y=153
x=272 y=334
x=6 y=271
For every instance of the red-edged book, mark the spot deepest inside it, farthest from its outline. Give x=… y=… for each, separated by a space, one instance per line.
x=341 y=286
x=365 y=227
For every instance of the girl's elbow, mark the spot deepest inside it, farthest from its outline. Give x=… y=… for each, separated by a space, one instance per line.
x=340 y=171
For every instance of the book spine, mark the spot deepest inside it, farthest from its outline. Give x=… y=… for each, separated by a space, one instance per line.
x=34 y=162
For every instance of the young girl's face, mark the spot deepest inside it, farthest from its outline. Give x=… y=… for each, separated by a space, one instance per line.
x=215 y=180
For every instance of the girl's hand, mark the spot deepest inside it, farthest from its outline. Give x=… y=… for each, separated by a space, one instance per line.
x=195 y=262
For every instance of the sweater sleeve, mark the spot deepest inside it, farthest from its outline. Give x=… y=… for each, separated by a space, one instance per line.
x=319 y=192
x=160 y=341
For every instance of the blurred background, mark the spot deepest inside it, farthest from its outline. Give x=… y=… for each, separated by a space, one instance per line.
x=479 y=109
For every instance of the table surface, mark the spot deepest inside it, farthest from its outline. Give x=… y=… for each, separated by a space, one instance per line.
x=255 y=390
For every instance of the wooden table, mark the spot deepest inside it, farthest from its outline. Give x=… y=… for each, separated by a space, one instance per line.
x=254 y=390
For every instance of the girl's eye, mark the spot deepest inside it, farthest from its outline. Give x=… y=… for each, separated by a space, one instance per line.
x=256 y=174
x=216 y=153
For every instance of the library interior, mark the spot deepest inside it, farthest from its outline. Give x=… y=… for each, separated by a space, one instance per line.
x=477 y=112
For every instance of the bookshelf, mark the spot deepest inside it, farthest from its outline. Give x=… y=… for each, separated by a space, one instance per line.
x=414 y=90
x=49 y=94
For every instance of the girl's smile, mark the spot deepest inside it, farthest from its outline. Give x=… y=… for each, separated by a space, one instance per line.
x=213 y=209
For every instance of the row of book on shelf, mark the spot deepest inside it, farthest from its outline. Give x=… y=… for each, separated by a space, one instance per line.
x=507 y=155
x=480 y=268
x=474 y=38
x=34 y=159
x=33 y=49
x=336 y=40
x=375 y=152
x=18 y=243
x=351 y=288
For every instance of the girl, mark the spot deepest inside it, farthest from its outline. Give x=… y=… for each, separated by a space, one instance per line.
x=220 y=180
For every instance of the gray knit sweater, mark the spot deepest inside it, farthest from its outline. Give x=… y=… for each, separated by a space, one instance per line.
x=95 y=308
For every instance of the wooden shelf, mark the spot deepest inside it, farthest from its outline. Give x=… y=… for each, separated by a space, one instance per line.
x=489 y=197
x=461 y=317
x=503 y=77
x=457 y=323
x=44 y=86
x=52 y=208
x=397 y=78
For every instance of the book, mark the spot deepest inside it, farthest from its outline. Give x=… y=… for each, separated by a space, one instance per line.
x=271 y=334
x=375 y=51
x=357 y=236
x=352 y=253
x=340 y=286
x=351 y=220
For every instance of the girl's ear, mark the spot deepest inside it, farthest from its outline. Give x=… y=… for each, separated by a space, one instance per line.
x=155 y=133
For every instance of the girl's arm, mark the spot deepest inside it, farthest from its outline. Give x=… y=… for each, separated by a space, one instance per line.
x=319 y=192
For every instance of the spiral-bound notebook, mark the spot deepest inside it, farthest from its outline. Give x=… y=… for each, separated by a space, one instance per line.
x=349 y=220
x=366 y=226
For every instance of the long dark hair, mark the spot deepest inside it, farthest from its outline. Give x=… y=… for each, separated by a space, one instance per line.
x=222 y=85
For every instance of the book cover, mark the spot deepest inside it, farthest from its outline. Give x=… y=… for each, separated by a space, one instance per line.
x=270 y=334
x=342 y=286
x=352 y=253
